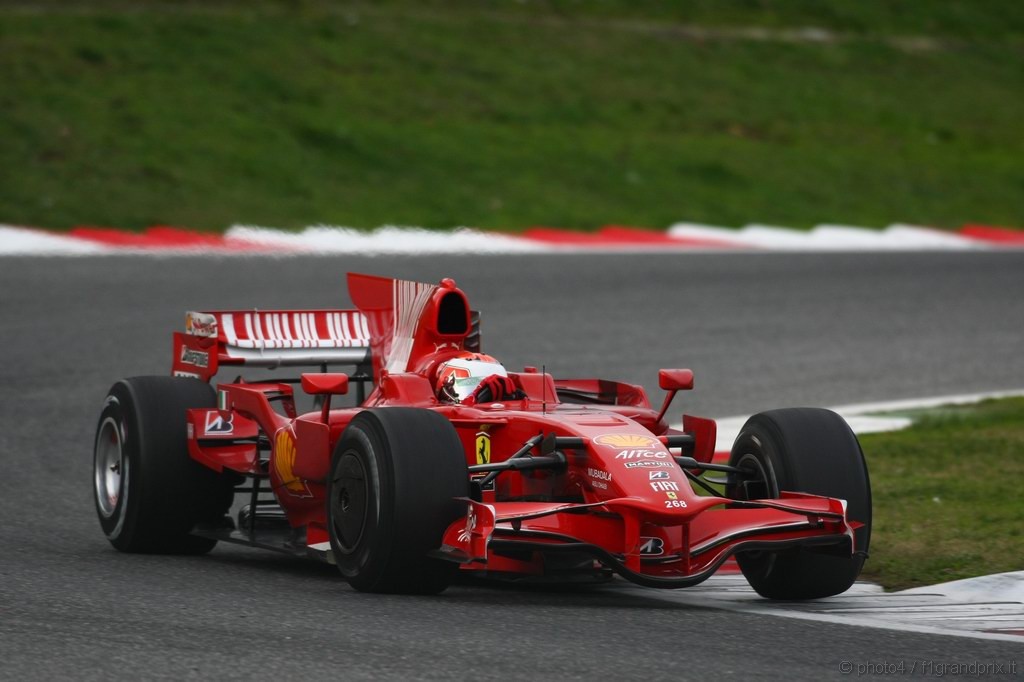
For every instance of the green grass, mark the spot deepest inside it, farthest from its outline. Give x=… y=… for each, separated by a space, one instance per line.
x=947 y=496
x=506 y=114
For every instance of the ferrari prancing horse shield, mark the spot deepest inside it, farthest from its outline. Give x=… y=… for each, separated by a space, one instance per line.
x=483 y=448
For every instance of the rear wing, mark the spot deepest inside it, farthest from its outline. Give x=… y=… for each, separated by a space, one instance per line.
x=270 y=338
x=278 y=338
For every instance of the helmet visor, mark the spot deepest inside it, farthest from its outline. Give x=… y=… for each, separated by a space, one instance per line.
x=472 y=373
x=464 y=388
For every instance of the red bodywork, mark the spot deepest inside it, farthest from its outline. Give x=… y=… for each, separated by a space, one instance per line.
x=620 y=501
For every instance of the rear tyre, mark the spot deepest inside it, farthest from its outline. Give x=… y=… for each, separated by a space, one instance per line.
x=149 y=493
x=395 y=477
x=805 y=450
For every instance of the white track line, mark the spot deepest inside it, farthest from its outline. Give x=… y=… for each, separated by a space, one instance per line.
x=925 y=403
x=864 y=605
x=1006 y=586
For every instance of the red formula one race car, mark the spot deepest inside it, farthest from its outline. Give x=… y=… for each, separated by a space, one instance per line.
x=447 y=462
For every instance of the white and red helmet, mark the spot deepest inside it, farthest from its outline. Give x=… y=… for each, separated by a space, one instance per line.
x=458 y=377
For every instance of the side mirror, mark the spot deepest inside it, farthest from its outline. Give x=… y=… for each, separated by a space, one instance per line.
x=675 y=379
x=325 y=384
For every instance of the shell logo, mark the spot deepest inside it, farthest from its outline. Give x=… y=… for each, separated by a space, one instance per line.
x=627 y=440
x=284 y=461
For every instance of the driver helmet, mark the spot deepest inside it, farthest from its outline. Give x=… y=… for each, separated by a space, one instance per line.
x=458 y=377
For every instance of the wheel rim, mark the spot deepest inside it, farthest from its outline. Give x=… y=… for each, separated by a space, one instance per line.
x=349 y=497
x=110 y=466
x=759 y=486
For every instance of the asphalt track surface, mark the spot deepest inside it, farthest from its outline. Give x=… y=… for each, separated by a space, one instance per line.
x=760 y=331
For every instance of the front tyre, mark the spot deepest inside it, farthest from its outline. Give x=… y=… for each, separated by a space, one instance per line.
x=806 y=450
x=395 y=478
x=149 y=493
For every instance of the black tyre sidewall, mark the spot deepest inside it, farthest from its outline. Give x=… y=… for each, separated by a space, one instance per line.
x=814 y=451
x=416 y=470
x=363 y=441
x=165 y=493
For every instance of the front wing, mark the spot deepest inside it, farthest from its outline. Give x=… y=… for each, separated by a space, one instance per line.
x=647 y=546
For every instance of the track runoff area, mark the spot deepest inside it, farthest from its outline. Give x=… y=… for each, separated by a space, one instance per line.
x=330 y=240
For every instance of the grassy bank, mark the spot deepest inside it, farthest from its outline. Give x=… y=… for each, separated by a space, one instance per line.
x=947 y=496
x=505 y=115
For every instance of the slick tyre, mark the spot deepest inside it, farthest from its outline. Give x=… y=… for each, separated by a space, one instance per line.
x=812 y=451
x=395 y=478
x=149 y=493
